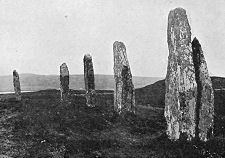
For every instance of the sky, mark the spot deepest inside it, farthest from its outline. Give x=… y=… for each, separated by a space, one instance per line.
x=38 y=36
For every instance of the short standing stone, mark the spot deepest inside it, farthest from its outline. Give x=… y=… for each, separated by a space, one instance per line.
x=89 y=80
x=181 y=87
x=16 y=84
x=64 y=81
x=124 y=97
x=205 y=97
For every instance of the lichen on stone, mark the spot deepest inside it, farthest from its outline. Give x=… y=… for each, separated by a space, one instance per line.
x=124 y=94
x=16 y=84
x=181 y=88
x=64 y=81
x=89 y=80
x=205 y=97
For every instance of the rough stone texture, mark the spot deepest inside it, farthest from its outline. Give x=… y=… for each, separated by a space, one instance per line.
x=89 y=80
x=124 y=97
x=64 y=81
x=181 y=87
x=16 y=84
x=205 y=96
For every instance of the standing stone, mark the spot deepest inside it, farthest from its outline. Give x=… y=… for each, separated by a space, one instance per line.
x=205 y=96
x=89 y=80
x=181 y=87
x=124 y=97
x=64 y=81
x=16 y=84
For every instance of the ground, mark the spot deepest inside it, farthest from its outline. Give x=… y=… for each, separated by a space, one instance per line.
x=40 y=126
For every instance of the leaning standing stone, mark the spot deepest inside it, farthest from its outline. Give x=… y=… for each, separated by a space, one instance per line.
x=89 y=80
x=205 y=97
x=64 y=81
x=181 y=88
x=124 y=97
x=16 y=84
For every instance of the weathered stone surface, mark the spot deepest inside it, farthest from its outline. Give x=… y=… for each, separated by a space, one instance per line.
x=181 y=87
x=124 y=97
x=16 y=84
x=64 y=81
x=89 y=80
x=205 y=95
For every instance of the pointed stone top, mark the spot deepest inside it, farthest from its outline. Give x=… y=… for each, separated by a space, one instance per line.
x=178 y=28
x=119 y=45
x=64 y=70
x=196 y=46
x=15 y=73
x=120 y=55
x=63 y=65
x=87 y=56
x=118 y=48
x=177 y=11
x=195 y=39
x=177 y=15
x=195 y=42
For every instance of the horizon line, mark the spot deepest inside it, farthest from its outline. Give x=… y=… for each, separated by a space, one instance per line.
x=75 y=74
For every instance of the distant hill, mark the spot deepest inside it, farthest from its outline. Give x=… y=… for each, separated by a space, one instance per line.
x=218 y=82
x=154 y=94
x=151 y=95
x=34 y=82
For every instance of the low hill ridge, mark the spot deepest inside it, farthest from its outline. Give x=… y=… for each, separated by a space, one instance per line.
x=34 y=82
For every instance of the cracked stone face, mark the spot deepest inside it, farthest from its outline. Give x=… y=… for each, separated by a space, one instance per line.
x=89 y=80
x=181 y=87
x=124 y=97
x=16 y=84
x=205 y=98
x=64 y=81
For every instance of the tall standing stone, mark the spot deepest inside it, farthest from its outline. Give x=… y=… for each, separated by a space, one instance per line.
x=181 y=87
x=64 y=81
x=205 y=96
x=89 y=80
x=124 y=97
x=16 y=84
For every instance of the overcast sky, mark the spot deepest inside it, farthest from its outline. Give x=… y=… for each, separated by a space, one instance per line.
x=36 y=36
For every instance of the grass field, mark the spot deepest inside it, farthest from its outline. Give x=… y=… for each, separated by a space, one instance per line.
x=40 y=127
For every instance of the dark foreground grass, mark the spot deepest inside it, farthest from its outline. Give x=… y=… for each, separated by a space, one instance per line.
x=42 y=127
